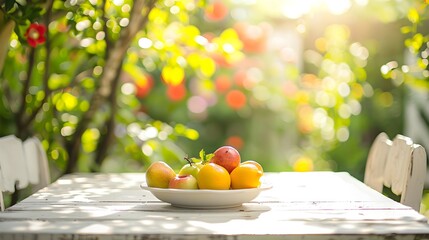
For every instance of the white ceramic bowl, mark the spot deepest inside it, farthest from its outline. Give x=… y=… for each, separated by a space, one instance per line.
x=203 y=198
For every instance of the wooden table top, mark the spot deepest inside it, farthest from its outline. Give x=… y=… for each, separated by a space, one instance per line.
x=311 y=205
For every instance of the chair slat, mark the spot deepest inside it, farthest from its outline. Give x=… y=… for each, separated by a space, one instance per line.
x=12 y=164
x=31 y=157
x=398 y=164
x=374 y=172
x=42 y=159
x=412 y=194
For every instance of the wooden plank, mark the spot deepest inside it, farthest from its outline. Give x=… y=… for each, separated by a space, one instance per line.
x=234 y=227
x=152 y=204
x=24 y=236
x=378 y=215
x=258 y=213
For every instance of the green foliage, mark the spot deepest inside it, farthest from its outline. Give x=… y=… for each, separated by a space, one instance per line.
x=56 y=84
x=415 y=73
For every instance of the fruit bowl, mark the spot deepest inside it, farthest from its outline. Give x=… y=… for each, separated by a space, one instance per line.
x=204 y=198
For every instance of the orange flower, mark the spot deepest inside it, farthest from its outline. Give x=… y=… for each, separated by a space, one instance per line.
x=176 y=93
x=236 y=99
x=222 y=83
x=35 y=34
x=235 y=141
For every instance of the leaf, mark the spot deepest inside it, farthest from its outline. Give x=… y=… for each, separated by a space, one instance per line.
x=9 y=5
x=202 y=154
x=57 y=81
x=89 y=138
x=204 y=158
x=30 y=13
x=70 y=101
x=191 y=134
x=209 y=156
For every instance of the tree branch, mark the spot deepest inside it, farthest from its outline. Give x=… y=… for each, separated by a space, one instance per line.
x=107 y=138
x=21 y=111
x=112 y=66
x=78 y=76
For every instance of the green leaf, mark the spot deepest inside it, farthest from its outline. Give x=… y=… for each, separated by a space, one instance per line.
x=9 y=5
x=202 y=154
x=205 y=158
x=191 y=134
x=58 y=81
x=65 y=102
x=209 y=157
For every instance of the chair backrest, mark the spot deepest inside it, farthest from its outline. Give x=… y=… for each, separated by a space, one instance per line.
x=21 y=164
x=399 y=165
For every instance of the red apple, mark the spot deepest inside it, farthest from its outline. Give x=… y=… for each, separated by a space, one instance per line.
x=227 y=157
x=183 y=182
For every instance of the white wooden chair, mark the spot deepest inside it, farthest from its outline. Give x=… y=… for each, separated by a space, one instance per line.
x=399 y=165
x=21 y=164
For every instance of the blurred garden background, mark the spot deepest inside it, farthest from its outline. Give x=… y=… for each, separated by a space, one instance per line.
x=113 y=85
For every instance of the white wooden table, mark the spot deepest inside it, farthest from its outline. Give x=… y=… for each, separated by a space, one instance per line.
x=314 y=205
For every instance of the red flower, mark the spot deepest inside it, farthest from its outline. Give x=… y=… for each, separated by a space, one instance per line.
x=35 y=34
